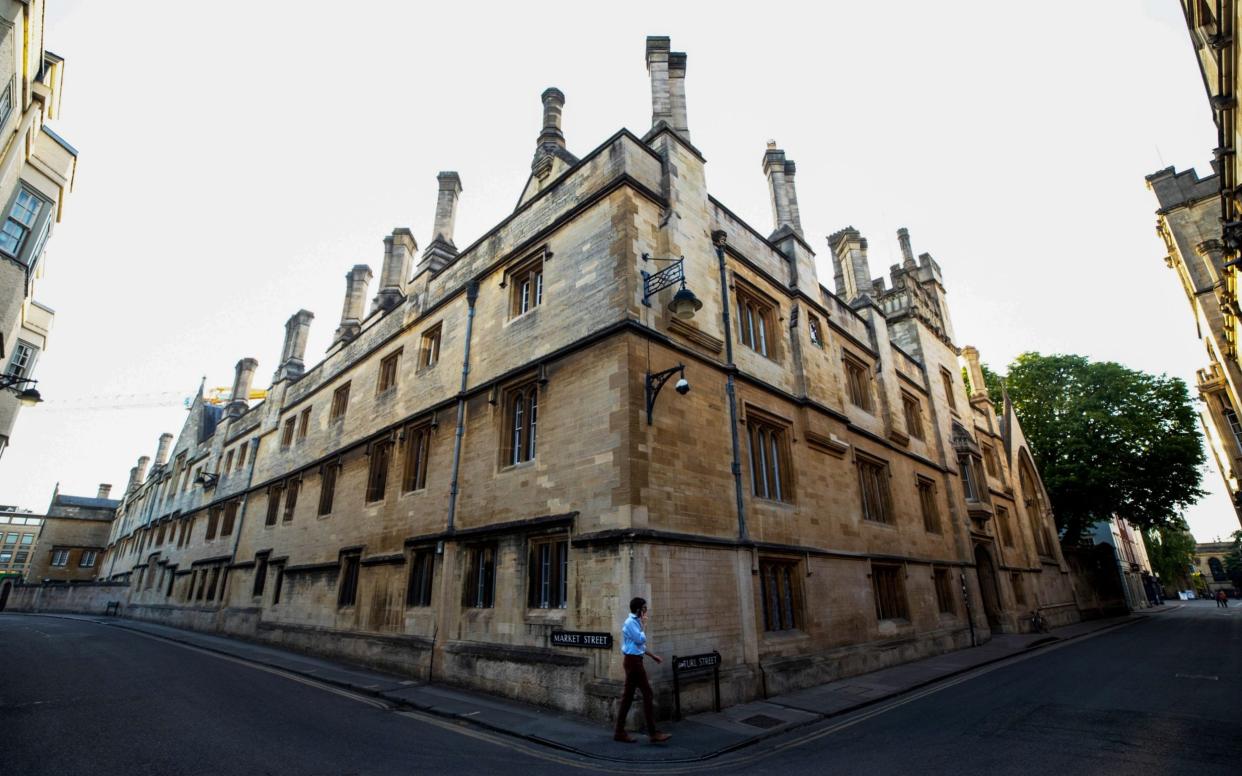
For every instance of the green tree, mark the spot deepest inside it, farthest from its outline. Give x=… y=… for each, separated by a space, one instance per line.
x=1171 y=552
x=1233 y=561
x=1108 y=440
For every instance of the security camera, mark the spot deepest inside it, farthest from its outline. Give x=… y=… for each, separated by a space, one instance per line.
x=683 y=386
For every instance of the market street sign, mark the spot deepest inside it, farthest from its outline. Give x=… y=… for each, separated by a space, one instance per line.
x=582 y=639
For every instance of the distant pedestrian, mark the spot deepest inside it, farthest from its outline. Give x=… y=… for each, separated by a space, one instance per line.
x=633 y=648
x=1222 y=600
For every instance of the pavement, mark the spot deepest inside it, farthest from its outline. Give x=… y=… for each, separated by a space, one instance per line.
x=696 y=738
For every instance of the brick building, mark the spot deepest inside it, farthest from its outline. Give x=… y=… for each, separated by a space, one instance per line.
x=484 y=456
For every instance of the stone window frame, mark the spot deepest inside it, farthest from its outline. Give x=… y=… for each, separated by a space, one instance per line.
x=757 y=319
x=781 y=598
x=991 y=462
x=858 y=387
x=304 y=423
x=772 y=436
x=347 y=578
x=228 y=518
x=479 y=583
x=420 y=582
x=814 y=331
x=213 y=524
x=1006 y=530
x=429 y=346
x=6 y=102
x=946 y=379
x=60 y=558
x=329 y=473
x=913 y=410
x=274 y=492
x=287 y=431
x=340 y=404
x=261 y=562
x=942 y=582
x=241 y=454
x=876 y=503
x=929 y=506
x=389 y=371
x=228 y=462
x=524 y=279
x=379 y=454
x=415 y=441
x=519 y=403
x=278 y=583
x=547 y=571
x=292 y=487
x=888 y=588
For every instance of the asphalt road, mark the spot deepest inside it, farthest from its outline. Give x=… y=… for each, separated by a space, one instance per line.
x=1154 y=697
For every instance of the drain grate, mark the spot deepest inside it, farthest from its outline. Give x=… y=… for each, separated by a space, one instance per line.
x=763 y=721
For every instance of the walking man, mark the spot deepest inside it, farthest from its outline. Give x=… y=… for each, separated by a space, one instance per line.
x=1222 y=599
x=633 y=649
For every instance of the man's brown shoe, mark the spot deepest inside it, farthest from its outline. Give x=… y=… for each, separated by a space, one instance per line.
x=658 y=737
x=624 y=738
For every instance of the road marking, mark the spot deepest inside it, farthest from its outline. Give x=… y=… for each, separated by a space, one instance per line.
x=1196 y=676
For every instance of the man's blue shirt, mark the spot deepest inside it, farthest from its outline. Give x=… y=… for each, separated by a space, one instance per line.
x=633 y=640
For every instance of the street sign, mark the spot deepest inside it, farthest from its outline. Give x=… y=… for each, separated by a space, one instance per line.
x=696 y=665
x=582 y=639
x=692 y=662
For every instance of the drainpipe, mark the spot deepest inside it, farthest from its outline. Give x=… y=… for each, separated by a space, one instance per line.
x=472 y=294
x=719 y=238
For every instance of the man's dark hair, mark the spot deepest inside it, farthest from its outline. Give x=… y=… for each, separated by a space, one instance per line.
x=637 y=604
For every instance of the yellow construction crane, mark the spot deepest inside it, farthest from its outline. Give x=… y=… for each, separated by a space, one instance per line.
x=223 y=394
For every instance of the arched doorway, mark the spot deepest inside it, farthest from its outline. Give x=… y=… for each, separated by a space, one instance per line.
x=987 y=586
x=5 y=587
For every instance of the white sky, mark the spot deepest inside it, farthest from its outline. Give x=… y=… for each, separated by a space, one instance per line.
x=234 y=165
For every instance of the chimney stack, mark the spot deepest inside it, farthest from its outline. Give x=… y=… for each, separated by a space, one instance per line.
x=907 y=254
x=978 y=386
x=446 y=206
x=657 y=69
x=161 y=452
x=774 y=165
x=849 y=261
x=399 y=248
x=356 y=282
x=442 y=251
x=133 y=479
x=140 y=471
x=677 y=92
x=297 y=331
x=105 y=490
x=551 y=138
x=239 y=398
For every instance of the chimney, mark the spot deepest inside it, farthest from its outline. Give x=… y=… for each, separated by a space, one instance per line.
x=551 y=138
x=791 y=197
x=133 y=479
x=297 y=330
x=657 y=69
x=907 y=255
x=442 y=251
x=446 y=206
x=356 y=282
x=105 y=490
x=677 y=92
x=849 y=261
x=978 y=386
x=774 y=168
x=239 y=398
x=399 y=248
x=161 y=452
x=140 y=471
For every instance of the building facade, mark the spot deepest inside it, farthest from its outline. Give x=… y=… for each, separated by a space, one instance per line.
x=72 y=539
x=1210 y=563
x=19 y=530
x=36 y=174
x=485 y=456
x=1188 y=223
x=1138 y=581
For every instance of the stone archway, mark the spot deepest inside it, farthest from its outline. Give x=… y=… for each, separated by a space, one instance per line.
x=988 y=588
x=6 y=587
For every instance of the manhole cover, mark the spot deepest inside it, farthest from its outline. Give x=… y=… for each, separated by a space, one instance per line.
x=763 y=721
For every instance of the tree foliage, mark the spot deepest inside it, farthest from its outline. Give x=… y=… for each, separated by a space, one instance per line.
x=1233 y=561
x=1108 y=440
x=1171 y=552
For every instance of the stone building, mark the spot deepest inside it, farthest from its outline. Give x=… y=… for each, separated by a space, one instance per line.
x=36 y=174
x=485 y=456
x=72 y=540
x=1188 y=223
x=1138 y=583
x=1210 y=560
